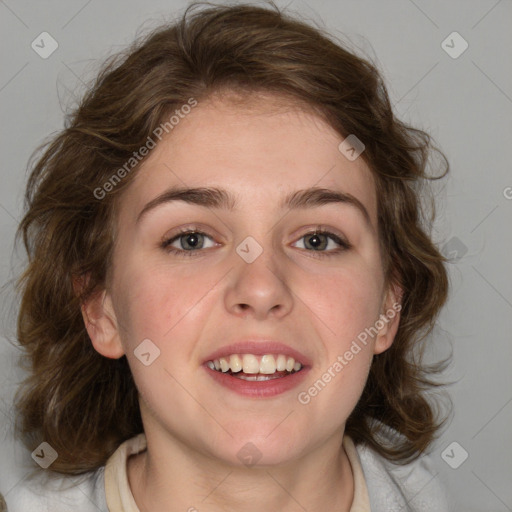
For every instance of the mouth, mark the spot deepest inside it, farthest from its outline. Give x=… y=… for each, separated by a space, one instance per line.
x=253 y=368
x=257 y=376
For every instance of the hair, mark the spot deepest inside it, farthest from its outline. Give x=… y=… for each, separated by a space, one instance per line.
x=85 y=405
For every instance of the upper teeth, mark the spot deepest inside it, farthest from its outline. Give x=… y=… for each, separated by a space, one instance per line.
x=250 y=363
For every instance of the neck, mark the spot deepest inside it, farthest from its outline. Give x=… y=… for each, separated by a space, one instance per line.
x=194 y=482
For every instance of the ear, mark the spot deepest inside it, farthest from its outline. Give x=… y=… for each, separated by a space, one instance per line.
x=389 y=319
x=101 y=323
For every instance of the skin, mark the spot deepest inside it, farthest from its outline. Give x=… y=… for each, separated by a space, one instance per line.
x=190 y=306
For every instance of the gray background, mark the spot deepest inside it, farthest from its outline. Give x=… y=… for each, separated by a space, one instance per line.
x=464 y=102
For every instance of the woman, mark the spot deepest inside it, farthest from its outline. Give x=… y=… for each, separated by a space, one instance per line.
x=228 y=275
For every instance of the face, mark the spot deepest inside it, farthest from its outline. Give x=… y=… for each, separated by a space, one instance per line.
x=204 y=281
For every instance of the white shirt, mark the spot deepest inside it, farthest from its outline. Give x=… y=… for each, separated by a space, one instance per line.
x=379 y=485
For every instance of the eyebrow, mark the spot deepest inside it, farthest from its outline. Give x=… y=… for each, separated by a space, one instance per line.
x=213 y=197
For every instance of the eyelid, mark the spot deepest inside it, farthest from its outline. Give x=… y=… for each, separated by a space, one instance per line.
x=333 y=234
x=199 y=228
x=320 y=229
x=167 y=242
x=191 y=228
x=340 y=240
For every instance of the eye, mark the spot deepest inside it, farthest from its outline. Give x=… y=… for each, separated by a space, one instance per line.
x=187 y=243
x=320 y=239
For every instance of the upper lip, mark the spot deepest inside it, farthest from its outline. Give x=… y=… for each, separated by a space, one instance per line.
x=259 y=347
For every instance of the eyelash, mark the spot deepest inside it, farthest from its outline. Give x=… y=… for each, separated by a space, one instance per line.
x=344 y=246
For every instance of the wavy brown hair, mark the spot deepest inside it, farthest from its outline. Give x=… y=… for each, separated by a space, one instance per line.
x=84 y=404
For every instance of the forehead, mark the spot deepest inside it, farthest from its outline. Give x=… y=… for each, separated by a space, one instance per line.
x=260 y=148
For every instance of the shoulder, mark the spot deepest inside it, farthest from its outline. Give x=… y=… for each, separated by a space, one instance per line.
x=85 y=493
x=414 y=487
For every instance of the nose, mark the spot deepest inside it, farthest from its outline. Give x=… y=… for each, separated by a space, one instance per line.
x=259 y=289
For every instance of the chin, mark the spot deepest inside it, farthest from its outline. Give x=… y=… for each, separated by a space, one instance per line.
x=267 y=446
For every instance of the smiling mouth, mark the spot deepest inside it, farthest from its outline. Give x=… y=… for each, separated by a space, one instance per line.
x=255 y=368
x=258 y=377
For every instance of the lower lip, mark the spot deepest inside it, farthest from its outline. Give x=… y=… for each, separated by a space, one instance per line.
x=258 y=389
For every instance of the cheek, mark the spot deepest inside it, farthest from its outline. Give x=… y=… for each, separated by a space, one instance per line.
x=158 y=304
x=349 y=304
x=346 y=301
x=152 y=300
